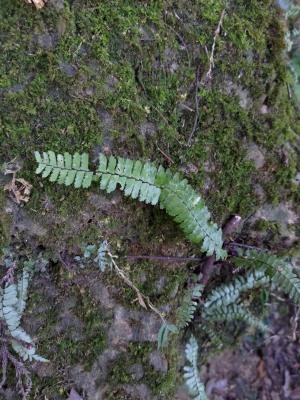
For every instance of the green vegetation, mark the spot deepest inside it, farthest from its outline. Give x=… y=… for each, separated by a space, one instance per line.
x=121 y=77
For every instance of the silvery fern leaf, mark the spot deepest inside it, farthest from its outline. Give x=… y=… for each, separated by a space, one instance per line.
x=191 y=374
x=9 y=307
x=187 y=208
x=228 y=293
x=186 y=311
x=280 y=271
x=234 y=312
x=103 y=259
x=22 y=287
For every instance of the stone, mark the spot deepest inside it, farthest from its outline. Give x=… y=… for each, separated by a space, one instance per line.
x=68 y=69
x=255 y=154
x=232 y=88
x=158 y=362
x=57 y=4
x=297 y=179
x=46 y=41
x=160 y=284
x=136 y=371
x=148 y=129
x=140 y=391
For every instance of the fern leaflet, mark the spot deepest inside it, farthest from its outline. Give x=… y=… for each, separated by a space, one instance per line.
x=65 y=169
x=229 y=293
x=191 y=374
x=136 y=179
x=12 y=304
x=234 y=312
x=187 y=208
x=186 y=311
x=280 y=271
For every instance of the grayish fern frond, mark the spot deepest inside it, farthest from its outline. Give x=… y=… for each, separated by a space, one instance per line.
x=229 y=293
x=22 y=287
x=65 y=169
x=279 y=270
x=191 y=374
x=12 y=304
x=234 y=312
x=186 y=311
x=103 y=260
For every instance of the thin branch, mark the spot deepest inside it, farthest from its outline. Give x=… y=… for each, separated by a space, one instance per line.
x=143 y=300
x=165 y=258
x=206 y=78
x=212 y=53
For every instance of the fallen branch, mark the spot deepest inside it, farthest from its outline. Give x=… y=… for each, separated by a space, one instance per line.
x=213 y=48
x=165 y=258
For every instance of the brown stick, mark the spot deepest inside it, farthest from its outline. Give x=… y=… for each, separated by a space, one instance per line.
x=210 y=264
x=164 y=258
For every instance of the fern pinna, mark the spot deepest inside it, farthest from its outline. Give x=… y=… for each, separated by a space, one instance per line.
x=191 y=373
x=13 y=299
x=279 y=270
x=143 y=181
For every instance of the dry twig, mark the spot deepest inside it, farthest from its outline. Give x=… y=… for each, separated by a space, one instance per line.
x=207 y=77
x=142 y=299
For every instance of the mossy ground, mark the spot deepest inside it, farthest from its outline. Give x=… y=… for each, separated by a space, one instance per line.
x=120 y=76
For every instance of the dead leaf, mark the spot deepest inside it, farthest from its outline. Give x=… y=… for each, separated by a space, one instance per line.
x=38 y=3
x=19 y=190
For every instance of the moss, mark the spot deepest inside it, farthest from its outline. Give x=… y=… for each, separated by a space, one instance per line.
x=5 y=223
x=134 y=63
x=138 y=353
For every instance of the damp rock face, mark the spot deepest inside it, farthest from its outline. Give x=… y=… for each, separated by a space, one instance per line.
x=87 y=77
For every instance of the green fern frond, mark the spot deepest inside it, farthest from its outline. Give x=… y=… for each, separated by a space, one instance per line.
x=279 y=270
x=187 y=208
x=191 y=374
x=136 y=179
x=229 y=293
x=163 y=335
x=234 y=312
x=65 y=169
x=186 y=311
x=143 y=181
